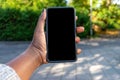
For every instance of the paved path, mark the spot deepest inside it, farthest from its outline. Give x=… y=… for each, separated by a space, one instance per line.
x=100 y=60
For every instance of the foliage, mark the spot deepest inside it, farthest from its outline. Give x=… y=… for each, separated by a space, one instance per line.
x=107 y=15
x=82 y=11
x=18 y=18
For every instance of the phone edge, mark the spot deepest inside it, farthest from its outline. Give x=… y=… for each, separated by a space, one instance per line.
x=49 y=61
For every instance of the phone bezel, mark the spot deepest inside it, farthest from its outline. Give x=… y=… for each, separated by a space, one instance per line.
x=59 y=61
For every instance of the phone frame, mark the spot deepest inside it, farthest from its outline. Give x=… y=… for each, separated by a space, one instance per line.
x=59 y=61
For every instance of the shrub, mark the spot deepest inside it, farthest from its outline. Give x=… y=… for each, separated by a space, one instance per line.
x=18 y=18
x=16 y=24
x=83 y=20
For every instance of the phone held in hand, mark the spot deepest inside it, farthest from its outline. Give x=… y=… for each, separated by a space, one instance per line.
x=60 y=34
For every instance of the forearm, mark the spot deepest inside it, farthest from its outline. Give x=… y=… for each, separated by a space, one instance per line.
x=35 y=55
x=26 y=63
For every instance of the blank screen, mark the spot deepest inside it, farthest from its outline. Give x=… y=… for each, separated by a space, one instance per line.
x=61 y=34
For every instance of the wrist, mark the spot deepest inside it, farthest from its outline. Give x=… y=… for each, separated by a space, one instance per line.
x=35 y=53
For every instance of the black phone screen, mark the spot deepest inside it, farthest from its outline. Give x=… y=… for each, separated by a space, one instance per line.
x=61 y=34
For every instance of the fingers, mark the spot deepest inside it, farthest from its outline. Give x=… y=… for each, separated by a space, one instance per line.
x=80 y=29
x=77 y=39
x=41 y=22
x=78 y=51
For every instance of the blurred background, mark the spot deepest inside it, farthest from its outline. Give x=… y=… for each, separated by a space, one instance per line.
x=100 y=58
x=18 y=18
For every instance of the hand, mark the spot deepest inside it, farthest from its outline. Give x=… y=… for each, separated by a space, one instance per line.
x=39 y=40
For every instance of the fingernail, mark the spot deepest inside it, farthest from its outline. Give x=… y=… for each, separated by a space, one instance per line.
x=43 y=10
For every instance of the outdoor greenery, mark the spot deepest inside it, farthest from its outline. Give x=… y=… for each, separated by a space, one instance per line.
x=18 y=18
x=82 y=11
x=107 y=15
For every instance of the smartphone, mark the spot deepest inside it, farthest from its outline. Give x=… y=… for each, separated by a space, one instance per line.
x=60 y=34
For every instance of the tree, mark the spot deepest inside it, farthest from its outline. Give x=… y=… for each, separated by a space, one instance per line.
x=18 y=17
x=107 y=15
x=83 y=12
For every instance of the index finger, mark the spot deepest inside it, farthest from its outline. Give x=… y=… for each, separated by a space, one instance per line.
x=80 y=29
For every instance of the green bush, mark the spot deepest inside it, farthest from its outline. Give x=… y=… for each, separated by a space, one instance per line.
x=83 y=20
x=19 y=18
x=82 y=11
x=107 y=16
x=16 y=24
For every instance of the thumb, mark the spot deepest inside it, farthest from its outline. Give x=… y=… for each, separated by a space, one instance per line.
x=41 y=22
